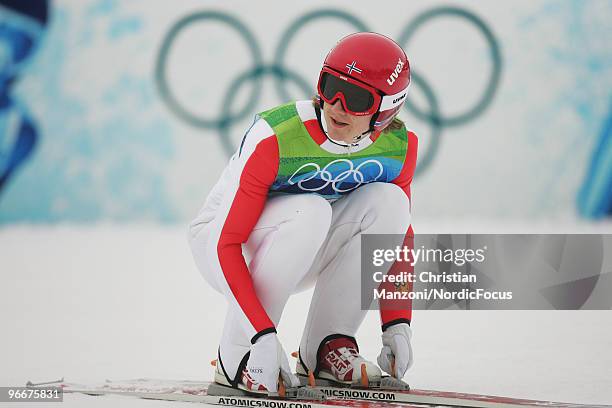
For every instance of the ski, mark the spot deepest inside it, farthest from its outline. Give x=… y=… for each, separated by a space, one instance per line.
x=197 y=391
x=443 y=398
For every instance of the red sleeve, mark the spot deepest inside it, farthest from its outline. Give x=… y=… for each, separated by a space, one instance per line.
x=257 y=176
x=400 y=311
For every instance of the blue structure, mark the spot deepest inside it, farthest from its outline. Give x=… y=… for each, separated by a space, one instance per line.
x=22 y=24
x=595 y=198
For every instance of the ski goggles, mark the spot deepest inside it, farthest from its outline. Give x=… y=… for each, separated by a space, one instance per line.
x=357 y=98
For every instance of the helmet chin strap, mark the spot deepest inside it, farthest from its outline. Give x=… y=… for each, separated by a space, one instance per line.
x=323 y=123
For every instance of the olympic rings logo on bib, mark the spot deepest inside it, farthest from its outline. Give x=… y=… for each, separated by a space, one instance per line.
x=352 y=176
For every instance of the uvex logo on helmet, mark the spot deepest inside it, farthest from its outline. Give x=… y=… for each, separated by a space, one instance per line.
x=396 y=72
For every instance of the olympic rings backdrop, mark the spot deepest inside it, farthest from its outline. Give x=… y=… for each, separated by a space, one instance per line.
x=128 y=111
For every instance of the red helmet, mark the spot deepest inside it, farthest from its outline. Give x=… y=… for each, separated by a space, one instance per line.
x=373 y=62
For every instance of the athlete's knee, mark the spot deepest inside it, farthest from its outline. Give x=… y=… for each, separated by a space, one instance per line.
x=388 y=204
x=313 y=214
x=202 y=252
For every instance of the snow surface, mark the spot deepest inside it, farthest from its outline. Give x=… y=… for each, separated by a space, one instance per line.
x=108 y=301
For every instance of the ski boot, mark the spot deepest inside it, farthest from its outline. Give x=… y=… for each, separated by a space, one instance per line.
x=340 y=364
x=244 y=385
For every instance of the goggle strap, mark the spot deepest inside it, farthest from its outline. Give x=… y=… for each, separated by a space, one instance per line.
x=392 y=101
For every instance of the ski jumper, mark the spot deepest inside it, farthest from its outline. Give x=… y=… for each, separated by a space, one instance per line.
x=288 y=212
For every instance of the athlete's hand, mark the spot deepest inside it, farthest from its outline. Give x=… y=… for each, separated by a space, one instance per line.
x=267 y=361
x=396 y=356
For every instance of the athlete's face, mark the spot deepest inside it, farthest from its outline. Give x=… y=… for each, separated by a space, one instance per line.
x=343 y=126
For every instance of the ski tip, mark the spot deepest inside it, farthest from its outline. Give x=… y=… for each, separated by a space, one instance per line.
x=33 y=384
x=364 y=376
x=294 y=354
